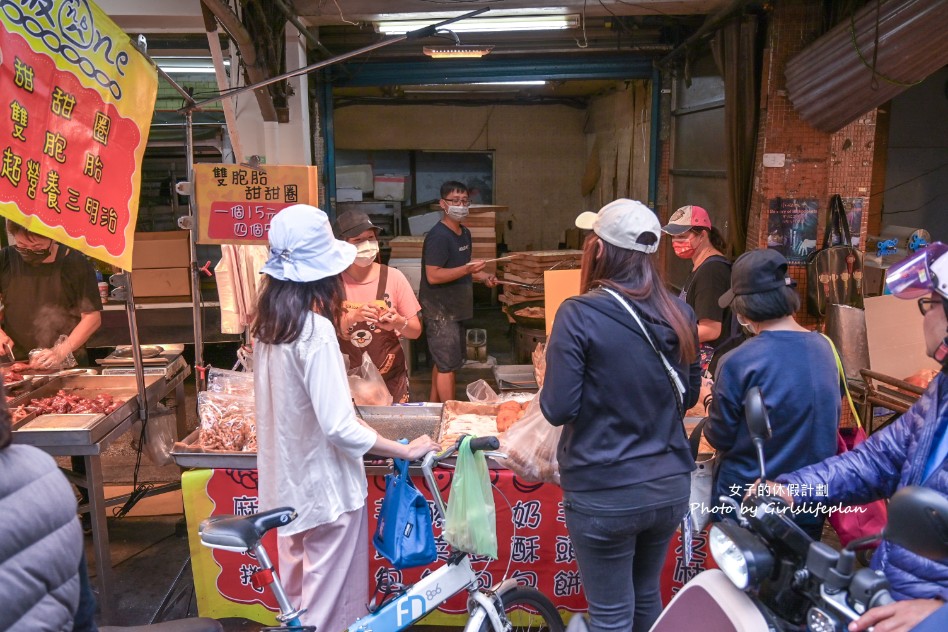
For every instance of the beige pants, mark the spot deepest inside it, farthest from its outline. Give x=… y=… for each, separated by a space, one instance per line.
x=326 y=570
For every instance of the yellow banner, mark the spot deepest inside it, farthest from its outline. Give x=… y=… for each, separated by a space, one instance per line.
x=76 y=101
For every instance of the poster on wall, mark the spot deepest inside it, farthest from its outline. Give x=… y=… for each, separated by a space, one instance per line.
x=791 y=227
x=235 y=203
x=77 y=101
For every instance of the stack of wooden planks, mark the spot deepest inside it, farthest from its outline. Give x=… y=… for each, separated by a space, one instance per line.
x=528 y=267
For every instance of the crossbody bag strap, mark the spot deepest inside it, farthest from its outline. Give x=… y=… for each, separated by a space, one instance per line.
x=842 y=379
x=679 y=386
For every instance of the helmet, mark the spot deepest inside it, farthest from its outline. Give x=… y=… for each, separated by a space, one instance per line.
x=924 y=272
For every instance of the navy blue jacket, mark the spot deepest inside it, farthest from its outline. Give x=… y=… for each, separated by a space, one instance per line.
x=890 y=459
x=797 y=374
x=609 y=390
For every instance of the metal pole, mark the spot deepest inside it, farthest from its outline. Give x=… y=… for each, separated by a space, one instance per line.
x=136 y=348
x=654 y=132
x=196 y=314
x=427 y=31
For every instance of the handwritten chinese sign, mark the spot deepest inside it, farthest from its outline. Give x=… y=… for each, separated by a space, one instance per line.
x=235 y=204
x=76 y=100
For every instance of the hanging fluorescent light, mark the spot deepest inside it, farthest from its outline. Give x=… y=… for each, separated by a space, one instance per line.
x=492 y=24
x=458 y=51
x=187 y=65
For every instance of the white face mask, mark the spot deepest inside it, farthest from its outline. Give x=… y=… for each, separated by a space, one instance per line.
x=366 y=252
x=458 y=212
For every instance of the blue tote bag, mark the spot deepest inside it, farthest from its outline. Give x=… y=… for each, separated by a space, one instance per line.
x=403 y=534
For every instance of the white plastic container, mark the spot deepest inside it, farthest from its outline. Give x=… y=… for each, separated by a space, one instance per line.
x=390 y=187
x=411 y=268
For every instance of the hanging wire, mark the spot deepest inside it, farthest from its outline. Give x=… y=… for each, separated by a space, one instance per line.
x=876 y=75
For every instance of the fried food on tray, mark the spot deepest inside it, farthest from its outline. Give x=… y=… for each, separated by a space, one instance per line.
x=531 y=312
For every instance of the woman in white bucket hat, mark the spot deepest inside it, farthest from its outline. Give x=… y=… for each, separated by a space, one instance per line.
x=310 y=443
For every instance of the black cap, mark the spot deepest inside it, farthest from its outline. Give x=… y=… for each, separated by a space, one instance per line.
x=352 y=223
x=756 y=271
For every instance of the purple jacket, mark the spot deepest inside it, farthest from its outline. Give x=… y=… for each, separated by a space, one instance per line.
x=890 y=459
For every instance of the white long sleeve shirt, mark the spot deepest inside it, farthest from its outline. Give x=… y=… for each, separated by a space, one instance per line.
x=309 y=443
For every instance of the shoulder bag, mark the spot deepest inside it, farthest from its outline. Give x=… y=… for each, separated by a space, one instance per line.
x=834 y=272
x=404 y=535
x=871 y=518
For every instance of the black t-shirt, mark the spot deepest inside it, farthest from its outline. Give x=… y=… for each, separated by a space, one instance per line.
x=704 y=287
x=446 y=249
x=45 y=301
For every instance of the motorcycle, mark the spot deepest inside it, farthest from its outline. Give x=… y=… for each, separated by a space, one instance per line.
x=773 y=577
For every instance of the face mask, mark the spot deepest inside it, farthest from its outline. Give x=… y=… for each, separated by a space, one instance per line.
x=683 y=248
x=366 y=252
x=747 y=328
x=458 y=212
x=34 y=257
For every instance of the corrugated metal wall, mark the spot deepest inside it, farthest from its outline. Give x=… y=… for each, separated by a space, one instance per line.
x=830 y=82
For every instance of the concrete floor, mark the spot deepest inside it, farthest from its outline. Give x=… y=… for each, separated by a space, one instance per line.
x=149 y=546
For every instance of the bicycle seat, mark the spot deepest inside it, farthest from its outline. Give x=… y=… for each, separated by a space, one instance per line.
x=241 y=533
x=200 y=624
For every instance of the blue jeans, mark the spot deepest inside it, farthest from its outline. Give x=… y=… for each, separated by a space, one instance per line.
x=620 y=560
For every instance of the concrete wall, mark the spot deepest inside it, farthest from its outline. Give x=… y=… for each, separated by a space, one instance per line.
x=539 y=154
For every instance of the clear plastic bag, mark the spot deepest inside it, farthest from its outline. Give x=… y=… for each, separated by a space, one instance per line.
x=69 y=360
x=367 y=386
x=233 y=382
x=228 y=422
x=530 y=444
x=470 y=522
x=159 y=435
x=481 y=392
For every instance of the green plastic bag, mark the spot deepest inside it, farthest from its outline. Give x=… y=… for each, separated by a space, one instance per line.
x=470 y=520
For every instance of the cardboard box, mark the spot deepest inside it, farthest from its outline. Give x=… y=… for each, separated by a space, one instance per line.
x=165 y=282
x=391 y=187
x=873 y=278
x=348 y=194
x=411 y=268
x=170 y=249
x=896 y=342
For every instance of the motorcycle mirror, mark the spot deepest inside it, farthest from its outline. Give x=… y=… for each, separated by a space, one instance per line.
x=758 y=423
x=918 y=521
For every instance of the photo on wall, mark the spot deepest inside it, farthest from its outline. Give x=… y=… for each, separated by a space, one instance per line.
x=791 y=227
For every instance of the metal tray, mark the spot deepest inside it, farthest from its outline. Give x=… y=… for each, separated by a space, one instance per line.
x=213 y=460
x=58 y=430
x=403 y=422
x=516 y=377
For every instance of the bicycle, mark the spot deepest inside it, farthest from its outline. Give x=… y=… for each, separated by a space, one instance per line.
x=494 y=609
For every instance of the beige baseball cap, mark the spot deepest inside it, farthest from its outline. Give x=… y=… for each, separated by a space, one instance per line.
x=624 y=223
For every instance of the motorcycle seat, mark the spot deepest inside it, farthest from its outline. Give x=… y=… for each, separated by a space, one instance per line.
x=242 y=533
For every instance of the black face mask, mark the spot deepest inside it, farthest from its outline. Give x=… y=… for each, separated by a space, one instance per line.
x=34 y=257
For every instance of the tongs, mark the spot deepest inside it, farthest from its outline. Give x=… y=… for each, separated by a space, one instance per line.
x=529 y=286
x=6 y=356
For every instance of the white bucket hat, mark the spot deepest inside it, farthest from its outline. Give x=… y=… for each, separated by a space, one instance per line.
x=624 y=223
x=302 y=246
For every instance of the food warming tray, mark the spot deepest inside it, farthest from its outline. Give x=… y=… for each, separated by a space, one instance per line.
x=79 y=429
x=516 y=377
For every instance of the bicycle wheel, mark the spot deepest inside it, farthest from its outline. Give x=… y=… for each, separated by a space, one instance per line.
x=528 y=609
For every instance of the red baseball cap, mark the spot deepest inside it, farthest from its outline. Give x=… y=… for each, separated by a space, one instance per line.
x=686 y=218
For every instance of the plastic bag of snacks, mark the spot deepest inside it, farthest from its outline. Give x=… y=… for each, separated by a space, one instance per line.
x=530 y=444
x=228 y=422
x=233 y=382
x=367 y=386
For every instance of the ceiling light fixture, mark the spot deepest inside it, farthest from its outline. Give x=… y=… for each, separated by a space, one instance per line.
x=493 y=24
x=457 y=51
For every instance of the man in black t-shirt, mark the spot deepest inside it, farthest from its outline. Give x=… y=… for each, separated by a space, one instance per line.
x=48 y=290
x=446 y=289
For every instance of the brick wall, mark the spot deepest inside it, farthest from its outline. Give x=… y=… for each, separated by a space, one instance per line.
x=817 y=164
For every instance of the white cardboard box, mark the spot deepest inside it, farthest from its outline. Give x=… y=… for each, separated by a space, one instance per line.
x=348 y=194
x=355 y=177
x=391 y=187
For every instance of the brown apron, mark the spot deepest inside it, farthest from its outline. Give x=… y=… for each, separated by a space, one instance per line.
x=382 y=346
